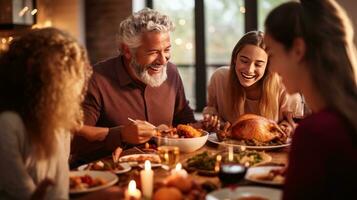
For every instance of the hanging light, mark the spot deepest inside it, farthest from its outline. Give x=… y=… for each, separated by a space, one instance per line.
x=34 y=11
x=23 y=11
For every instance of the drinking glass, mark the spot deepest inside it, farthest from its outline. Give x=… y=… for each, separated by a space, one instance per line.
x=169 y=155
x=231 y=173
x=299 y=109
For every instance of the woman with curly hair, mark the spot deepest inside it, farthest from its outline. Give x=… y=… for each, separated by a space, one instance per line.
x=43 y=77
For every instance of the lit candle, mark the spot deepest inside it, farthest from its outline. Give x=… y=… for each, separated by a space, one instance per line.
x=147 y=180
x=132 y=193
x=230 y=153
x=178 y=171
x=218 y=163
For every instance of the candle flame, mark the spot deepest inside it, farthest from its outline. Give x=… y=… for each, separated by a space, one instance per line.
x=246 y=164
x=147 y=165
x=219 y=158
x=218 y=163
x=132 y=187
x=242 y=148
x=178 y=167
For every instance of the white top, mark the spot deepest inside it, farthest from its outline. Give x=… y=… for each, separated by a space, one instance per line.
x=20 y=172
x=217 y=100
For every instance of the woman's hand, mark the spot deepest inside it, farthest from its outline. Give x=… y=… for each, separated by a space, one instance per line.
x=41 y=189
x=211 y=123
x=288 y=125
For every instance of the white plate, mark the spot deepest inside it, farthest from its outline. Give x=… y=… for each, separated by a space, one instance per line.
x=256 y=171
x=213 y=138
x=133 y=157
x=109 y=177
x=245 y=191
x=126 y=167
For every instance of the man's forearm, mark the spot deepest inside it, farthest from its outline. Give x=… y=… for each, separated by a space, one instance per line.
x=92 y=133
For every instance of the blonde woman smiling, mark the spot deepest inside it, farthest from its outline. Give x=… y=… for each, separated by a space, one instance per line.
x=248 y=86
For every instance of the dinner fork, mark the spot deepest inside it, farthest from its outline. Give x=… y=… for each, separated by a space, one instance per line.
x=134 y=121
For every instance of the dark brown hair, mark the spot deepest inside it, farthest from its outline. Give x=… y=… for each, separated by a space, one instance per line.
x=326 y=30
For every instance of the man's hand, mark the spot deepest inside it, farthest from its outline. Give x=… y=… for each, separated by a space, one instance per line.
x=138 y=132
x=116 y=154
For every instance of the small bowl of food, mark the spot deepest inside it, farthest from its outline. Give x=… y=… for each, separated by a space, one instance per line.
x=185 y=137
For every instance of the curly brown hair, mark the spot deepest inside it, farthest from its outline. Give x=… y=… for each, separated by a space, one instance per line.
x=43 y=77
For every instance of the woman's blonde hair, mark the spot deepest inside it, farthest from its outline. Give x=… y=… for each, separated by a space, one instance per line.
x=330 y=52
x=270 y=82
x=43 y=77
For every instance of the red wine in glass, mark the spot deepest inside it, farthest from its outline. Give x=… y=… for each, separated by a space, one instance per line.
x=231 y=173
x=297 y=119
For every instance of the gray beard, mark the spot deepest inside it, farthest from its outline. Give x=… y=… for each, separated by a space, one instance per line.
x=145 y=77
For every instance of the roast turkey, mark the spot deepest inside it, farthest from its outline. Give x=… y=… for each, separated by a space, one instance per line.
x=254 y=129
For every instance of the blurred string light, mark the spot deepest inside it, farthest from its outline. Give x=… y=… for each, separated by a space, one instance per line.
x=178 y=41
x=34 y=11
x=211 y=29
x=4 y=44
x=242 y=9
x=23 y=11
x=47 y=23
x=182 y=22
x=189 y=46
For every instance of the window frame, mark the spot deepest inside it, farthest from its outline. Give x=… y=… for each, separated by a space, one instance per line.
x=250 y=23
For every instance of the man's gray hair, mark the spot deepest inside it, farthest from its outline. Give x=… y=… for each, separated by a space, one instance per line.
x=146 y=20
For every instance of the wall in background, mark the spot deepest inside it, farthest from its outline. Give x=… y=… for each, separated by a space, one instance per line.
x=102 y=21
x=350 y=6
x=67 y=15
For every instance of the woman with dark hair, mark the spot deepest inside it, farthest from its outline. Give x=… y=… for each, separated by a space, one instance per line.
x=311 y=48
x=248 y=86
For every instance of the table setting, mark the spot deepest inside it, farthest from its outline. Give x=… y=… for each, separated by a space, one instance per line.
x=168 y=168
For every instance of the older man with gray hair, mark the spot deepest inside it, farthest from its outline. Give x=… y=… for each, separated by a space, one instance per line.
x=140 y=84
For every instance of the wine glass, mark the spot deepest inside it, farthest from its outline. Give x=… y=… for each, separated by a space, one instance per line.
x=231 y=172
x=299 y=109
